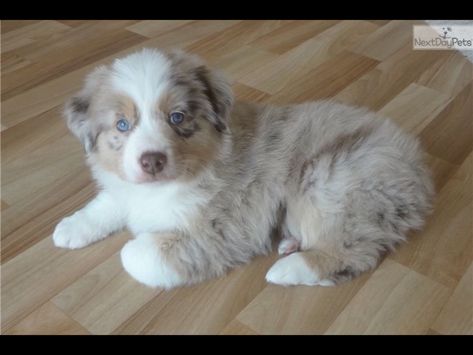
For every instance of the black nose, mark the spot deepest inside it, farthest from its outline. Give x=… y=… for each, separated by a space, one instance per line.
x=153 y=162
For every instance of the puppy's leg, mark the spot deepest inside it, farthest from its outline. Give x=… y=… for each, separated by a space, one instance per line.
x=175 y=258
x=98 y=219
x=335 y=259
x=335 y=247
x=149 y=259
x=299 y=269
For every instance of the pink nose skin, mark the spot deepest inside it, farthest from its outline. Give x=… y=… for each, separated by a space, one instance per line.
x=153 y=162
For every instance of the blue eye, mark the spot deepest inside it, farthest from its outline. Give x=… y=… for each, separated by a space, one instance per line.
x=176 y=117
x=123 y=125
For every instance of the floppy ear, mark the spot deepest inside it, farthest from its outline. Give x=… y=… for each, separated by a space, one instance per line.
x=78 y=122
x=219 y=94
x=77 y=111
x=216 y=88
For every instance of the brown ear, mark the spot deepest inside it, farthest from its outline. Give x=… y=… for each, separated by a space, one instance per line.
x=219 y=94
x=77 y=111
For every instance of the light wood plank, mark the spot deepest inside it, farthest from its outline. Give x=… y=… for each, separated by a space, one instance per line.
x=237 y=328
x=76 y=23
x=201 y=309
x=232 y=38
x=297 y=310
x=432 y=332
x=104 y=298
x=184 y=36
x=444 y=249
x=395 y=300
x=37 y=31
x=242 y=61
x=441 y=170
x=154 y=28
x=247 y=93
x=14 y=62
x=4 y=205
x=323 y=81
x=290 y=35
x=380 y=22
x=29 y=220
x=42 y=98
x=457 y=315
x=297 y=62
x=450 y=135
x=386 y=40
x=379 y=86
x=450 y=76
x=415 y=107
x=36 y=275
x=51 y=60
x=47 y=320
x=11 y=25
x=40 y=150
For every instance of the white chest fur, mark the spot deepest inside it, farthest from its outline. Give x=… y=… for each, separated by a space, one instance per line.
x=154 y=207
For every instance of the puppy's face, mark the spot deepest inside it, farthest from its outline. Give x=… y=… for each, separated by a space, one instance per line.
x=152 y=116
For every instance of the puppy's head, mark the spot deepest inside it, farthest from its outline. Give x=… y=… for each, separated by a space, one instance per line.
x=152 y=116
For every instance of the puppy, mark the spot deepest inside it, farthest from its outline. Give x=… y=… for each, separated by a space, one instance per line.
x=202 y=181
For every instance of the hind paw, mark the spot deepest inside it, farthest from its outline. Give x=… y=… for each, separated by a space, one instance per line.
x=294 y=270
x=288 y=245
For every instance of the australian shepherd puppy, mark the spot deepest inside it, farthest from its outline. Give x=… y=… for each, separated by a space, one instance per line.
x=201 y=181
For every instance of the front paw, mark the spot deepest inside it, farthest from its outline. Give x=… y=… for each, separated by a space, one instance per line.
x=143 y=259
x=73 y=232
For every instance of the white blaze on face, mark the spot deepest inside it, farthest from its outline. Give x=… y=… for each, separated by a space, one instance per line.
x=143 y=139
x=142 y=76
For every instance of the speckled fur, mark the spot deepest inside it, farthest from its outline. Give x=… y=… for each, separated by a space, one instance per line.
x=348 y=185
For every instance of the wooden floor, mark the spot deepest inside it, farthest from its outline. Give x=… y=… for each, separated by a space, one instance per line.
x=425 y=288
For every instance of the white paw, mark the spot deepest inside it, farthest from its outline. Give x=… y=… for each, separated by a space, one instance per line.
x=142 y=259
x=288 y=246
x=293 y=270
x=73 y=232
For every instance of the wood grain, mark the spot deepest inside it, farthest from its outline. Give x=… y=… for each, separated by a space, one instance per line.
x=153 y=28
x=457 y=315
x=386 y=40
x=47 y=320
x=103 y=298
x=36 y=275
x=290 y=35
x=297 y=310
x=456 y=121
x=423 y=288
x=415 y=107
x=300 y=60
x=66 y=54
x=202 y=308
x=323 y=82
x=10 y=25
x=379 y=86
x=37 y=31
x=395 y=300
x=236 y=328
x=443 y=250
x=448 y=76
